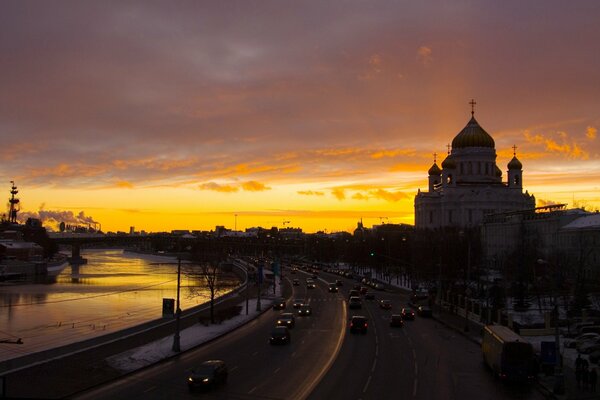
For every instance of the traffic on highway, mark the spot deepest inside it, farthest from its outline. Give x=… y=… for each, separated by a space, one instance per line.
x=354 y=342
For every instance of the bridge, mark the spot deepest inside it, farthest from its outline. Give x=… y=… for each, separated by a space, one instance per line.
x=170 y=243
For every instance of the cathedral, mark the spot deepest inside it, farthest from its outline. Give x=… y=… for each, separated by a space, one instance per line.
x=469 y=184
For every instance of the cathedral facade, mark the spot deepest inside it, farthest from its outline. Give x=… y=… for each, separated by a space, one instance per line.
x=469 y=184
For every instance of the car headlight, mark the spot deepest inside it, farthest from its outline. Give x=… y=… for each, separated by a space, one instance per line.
x=190 y=379
x=278 y=321
x=205 y=380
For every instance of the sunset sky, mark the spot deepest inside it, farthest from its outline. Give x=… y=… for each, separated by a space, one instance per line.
x=183 y=114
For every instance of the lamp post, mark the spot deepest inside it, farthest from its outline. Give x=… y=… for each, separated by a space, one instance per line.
x=467 y=278
x=176 y=338
x=559 y=381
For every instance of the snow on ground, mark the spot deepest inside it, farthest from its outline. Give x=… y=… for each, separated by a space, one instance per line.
x=191 y=337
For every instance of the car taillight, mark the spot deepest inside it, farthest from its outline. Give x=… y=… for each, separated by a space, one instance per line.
x=366 y=325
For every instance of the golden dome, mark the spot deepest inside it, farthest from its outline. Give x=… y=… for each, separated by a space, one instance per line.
x=472 y=135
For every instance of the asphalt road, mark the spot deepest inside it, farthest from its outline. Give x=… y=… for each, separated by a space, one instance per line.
x=422 y=360
x=257 y=370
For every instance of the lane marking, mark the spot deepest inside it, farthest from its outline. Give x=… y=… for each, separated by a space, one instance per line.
x=255 y=353
x=252 y=390
x=374 y=365
x=276 y=370
x=149 y=389
x=233 y=368
x=415 y=388
x=367 y=384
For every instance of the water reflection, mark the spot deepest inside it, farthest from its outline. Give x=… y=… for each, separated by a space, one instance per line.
x=114 y=290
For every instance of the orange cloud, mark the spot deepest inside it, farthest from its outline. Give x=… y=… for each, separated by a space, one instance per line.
x=572 y=149
x=591 y=132
x=424 y=55
x=124 y=185
x=218 y=187
x=253 y=186
x=389 y=196
x=310 y=193
x=339 y=193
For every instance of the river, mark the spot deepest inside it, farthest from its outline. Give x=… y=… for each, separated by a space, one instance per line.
x=113 y=291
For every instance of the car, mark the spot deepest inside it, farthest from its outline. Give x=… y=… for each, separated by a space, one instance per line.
x=425 y=311
x=396 y=321
x=280 y=335
x=333 y=288
x=315 y=275
x=298 y=303
x=572 y=343
x=310 y=285
x=379 y=286
x=354 y=293
x=363 y=290
x=279 y=303
x=296 y=282
x=588 y=346
x=385 y=304
x=338 y=282
x=305 y=310
x=354 y=302
x=208 y=375
x=286 y=319
x=369 y=295
x=582 y=344
x=407 y=313
x=358 y=323
x=294 y=270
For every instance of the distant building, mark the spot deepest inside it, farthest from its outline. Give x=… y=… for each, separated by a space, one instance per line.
x=469 y=184
x=569 y=239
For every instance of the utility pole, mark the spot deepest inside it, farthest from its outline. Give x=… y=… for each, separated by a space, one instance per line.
x=176 y=338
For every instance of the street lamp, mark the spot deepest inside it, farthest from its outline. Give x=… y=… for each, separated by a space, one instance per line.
x=176 y=338
x=468 y=278
x=559 y=382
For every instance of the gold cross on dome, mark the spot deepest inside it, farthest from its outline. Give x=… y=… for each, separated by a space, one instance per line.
x=472 y=103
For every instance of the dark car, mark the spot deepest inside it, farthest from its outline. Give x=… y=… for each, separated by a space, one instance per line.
x=208 y=375
x=358 y=323
x=364 y=290
x=354 y=302
x=280 y=335
x=298 y=303
x=369 y=295
x=296 y=282
x=385 y=304
x=424 y=311
x=310 y=284
x=354 y=293
x=333 y=288
x=339 y=282
x=407 y=313
x=305 y=310
x=287 y=320
x=396 y=321
x=279 y=303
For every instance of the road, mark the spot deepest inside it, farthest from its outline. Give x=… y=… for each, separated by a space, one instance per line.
x=257 y=370
x=422 y=360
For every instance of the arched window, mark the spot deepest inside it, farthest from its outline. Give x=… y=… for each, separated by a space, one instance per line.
x=516 y=180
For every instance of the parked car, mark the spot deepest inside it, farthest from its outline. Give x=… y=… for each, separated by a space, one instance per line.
x=208 y=375
x=358 y=323
x=396 y=321
x=572 y=343
x=280 y=335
